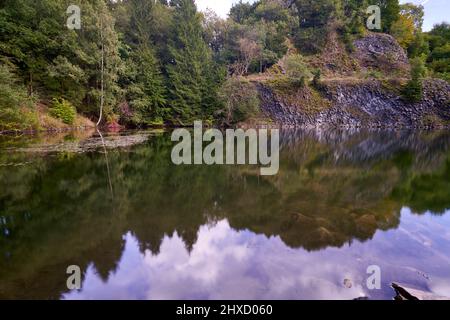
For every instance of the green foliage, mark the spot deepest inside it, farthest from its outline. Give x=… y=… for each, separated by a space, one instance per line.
x=419 y=46
x=439 y=50
x=297 y=70
x=191 y=65
x=352 y=13
x=56 y=61
x=413 y=90
x=390 y=13
x=240 y=99
x=146 y=92
x=317 y=74
x=165 y=62
x=16 y=108
x=374 y=74
x=66 y=79
x=264 y=26
x=241 y=11
x=64 y=110
x=403 y=30
x=418 y=69
x=314 y=17
x=427 y=191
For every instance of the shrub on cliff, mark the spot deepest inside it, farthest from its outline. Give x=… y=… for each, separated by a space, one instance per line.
x=317 y=78
x=64 y=110
x=240 y=98
x=297 y=70
x=413 y=90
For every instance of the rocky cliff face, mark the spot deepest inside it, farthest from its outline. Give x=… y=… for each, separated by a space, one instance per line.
x=371 y=104
x=349 y=100
x=378 y=51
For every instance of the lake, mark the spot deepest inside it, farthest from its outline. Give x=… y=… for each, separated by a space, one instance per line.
x=140 y=227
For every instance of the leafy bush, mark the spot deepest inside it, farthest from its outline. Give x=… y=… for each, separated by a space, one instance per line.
x=374 y=74
x=64 y=110
x=297 y=70
x=240 y=98
x=16 y=108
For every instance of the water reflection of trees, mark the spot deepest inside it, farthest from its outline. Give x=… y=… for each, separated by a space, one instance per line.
x=332 y=188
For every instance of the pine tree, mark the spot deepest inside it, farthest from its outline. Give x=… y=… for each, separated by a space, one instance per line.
x=145 y=83
x=146 y=91
x=190 y=65
x=314 y=16
x=413 y=90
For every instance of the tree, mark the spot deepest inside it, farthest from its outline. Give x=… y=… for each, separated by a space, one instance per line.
x=59 y=62
x=297 y=70
x=108 y=62
x=439 y=58
x=142 y=80
x=146 y=92
x=241 y=11
x=419 y=46
x=413 y=90
x=31 y=35
x=408 y=30
x=352 y=13
x=403 y=31
x=214 y=32
x=414 y=12
x=314 y=17
x=16 y=108
x=66 y=79
x=249 y=50
x=390 y=12
x=241 y=100
x=190 y=65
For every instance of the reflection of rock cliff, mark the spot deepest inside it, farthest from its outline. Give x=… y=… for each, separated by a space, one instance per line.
x=333 y=187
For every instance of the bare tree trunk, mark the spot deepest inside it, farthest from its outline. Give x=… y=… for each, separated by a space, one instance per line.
x=102 y=94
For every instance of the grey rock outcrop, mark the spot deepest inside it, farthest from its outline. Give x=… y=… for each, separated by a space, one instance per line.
x=366 y=104
x=379 y=51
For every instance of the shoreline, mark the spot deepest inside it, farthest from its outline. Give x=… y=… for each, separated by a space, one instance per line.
x=237 y=126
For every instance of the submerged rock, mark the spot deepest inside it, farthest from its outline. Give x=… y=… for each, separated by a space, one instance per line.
x=406 y=293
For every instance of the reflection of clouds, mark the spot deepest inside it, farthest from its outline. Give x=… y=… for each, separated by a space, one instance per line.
x=226 y=264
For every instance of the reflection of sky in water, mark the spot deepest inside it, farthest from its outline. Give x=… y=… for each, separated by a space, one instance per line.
x=226 y=264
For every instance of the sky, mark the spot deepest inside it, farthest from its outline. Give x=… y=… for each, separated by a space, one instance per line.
x=436 y=11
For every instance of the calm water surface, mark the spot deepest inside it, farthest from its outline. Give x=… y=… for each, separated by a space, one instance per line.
x=142 y=228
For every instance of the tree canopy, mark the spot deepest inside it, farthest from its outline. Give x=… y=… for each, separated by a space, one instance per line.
x=165 y=62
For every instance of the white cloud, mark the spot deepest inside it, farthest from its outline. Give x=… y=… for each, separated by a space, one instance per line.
x=229 y=264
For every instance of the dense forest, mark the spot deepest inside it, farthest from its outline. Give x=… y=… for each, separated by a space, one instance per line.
x=156 y=62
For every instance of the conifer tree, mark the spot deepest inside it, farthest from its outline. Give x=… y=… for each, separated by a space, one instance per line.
x=190 y=65
x=146 y=90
